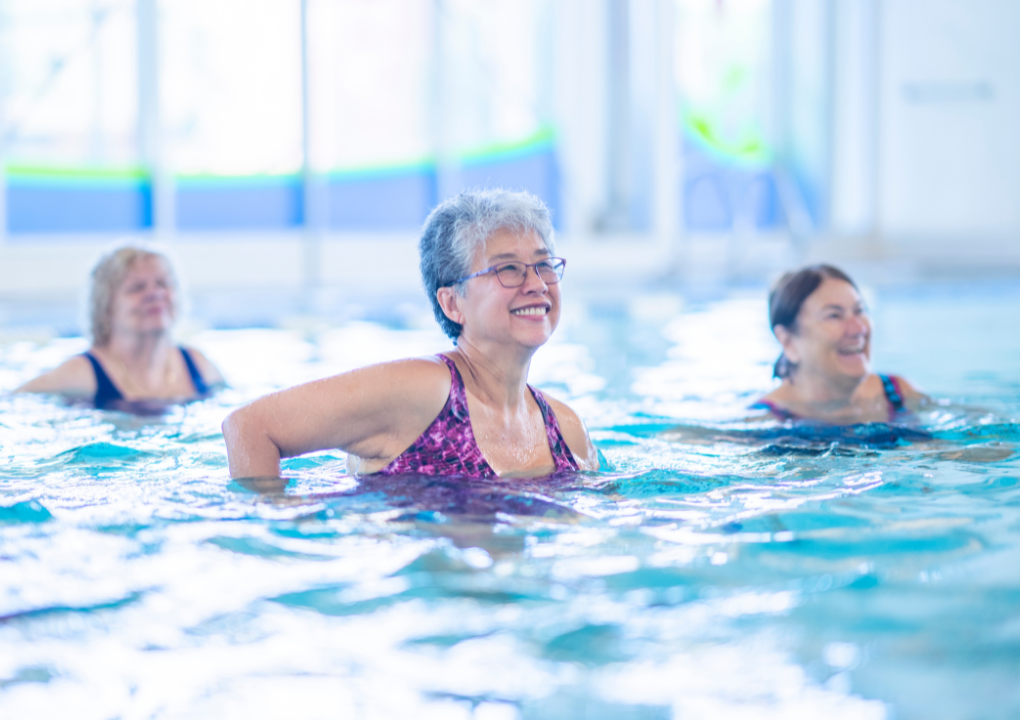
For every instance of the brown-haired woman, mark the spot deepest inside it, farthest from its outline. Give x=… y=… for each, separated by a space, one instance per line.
x=133 y=363
x=820 y=319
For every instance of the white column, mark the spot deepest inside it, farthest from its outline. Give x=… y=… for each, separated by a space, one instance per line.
x=855 y=118
x=579 y=107
x=7 y=135
x=802 y=110
x=619 y=180
x=668 y=205
x=3 y=182
x=152 y=137
x=447 y=167
x=314 y=190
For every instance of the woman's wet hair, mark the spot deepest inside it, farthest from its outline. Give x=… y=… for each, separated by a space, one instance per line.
x=455 y=230
x=787 y=297
x=107 y=276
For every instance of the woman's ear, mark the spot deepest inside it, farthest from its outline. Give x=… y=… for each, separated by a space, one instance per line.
x=785 y=338
x=449 y=301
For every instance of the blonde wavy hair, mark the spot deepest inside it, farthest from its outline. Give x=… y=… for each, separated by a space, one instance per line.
x=107 y=276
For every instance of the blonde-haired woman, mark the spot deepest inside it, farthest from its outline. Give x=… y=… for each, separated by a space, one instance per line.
x=133 y=362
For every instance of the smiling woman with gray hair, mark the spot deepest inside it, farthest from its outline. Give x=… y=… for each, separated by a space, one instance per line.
x=488 y=266
x=133 y=363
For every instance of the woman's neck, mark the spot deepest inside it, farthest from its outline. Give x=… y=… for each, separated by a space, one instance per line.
x=822 y=391
x=142 y=366
x=140 y=351
x=498 y=377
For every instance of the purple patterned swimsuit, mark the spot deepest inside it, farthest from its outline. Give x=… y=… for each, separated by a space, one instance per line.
x=448 y=447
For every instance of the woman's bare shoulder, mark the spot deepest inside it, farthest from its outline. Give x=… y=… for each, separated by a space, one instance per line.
x=776 y=404
x=575 y=434
x=907 y=389
x=406 y=384
x=778 y=396
x=210 y=373
x=408 y=370
x=914 y=398
x=74 y=376
x=910 y=391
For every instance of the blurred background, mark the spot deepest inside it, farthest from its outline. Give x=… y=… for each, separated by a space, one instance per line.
x=287 y=151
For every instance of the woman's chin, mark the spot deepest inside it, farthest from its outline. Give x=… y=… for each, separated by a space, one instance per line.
x=854 y=367
x=534 y=336
x=539 y=337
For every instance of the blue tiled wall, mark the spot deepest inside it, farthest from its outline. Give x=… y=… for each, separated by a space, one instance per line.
x=275 y=203
x=382 y=200
x=385 y=200
x=58 y=205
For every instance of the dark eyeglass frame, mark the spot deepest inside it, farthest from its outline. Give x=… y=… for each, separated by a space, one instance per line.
x=557 y=265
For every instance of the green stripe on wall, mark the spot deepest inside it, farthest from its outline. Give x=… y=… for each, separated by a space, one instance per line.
x=33 y=174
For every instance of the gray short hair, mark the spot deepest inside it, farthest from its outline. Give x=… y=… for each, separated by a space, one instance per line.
x=459 y=226
x=107 y=276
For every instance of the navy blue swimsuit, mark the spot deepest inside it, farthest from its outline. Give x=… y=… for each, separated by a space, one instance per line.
x=108 y=394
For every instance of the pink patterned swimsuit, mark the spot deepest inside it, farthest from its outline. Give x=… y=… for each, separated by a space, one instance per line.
x=448 y=447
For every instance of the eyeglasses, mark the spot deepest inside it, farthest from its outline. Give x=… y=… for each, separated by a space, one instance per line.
x=513 y=274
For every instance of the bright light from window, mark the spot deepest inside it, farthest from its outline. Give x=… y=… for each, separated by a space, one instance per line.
x=232 y=86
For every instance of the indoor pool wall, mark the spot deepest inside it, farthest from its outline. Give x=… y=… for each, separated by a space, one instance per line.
x=712 y=571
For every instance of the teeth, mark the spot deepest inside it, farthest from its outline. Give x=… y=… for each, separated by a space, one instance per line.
x=531 y=311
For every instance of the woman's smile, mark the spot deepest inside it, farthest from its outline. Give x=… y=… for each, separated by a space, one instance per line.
x=539 y=311
x=854 y=351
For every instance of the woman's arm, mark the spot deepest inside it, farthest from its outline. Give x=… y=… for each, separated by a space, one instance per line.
x=373 y=412
x=575 y=434
x=72 y=377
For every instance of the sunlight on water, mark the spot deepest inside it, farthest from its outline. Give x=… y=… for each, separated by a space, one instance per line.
x=717 y=569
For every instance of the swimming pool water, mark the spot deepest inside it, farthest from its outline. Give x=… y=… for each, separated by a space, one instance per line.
x=714 y=571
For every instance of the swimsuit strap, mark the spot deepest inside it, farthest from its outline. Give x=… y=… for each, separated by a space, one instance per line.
x=457 y=403
x=778 y=412
x=891 y=387
x=106 y=391
x=562 y=457
x=201 y=387
x=448 y=445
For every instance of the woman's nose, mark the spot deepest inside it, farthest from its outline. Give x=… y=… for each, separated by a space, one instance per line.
x=857 y=325
x=533 y=282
